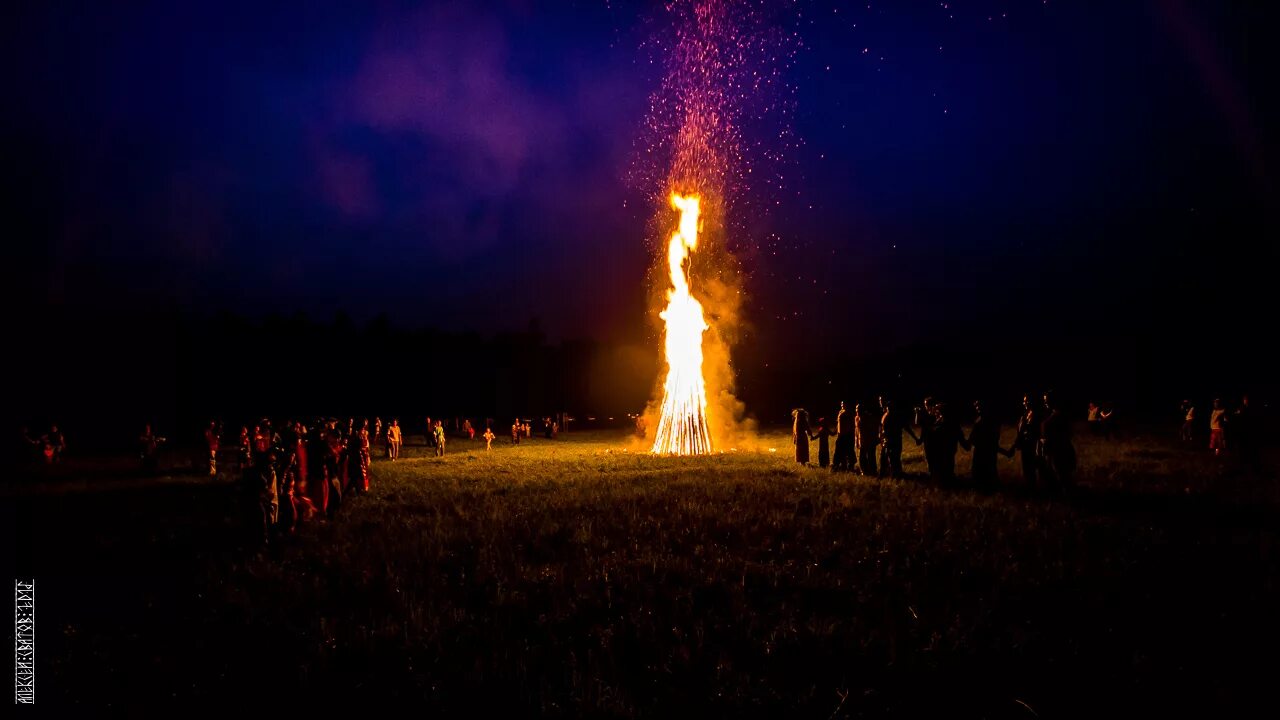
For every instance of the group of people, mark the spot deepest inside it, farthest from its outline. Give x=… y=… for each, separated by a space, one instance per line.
x=1233 y=430
x=389 y=436
x=300 y=473
x=48 y=447
x=869 y=441
x=524 y=429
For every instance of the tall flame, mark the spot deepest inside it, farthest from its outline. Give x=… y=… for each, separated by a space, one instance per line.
x=683 y=429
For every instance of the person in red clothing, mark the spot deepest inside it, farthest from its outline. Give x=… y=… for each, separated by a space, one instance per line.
x=58 y=442
x=302 y=489
x=261 y=441
x=46 y=449
x=1218 y=420
x=299 y=441
x=335 y=468
x=317 y=451
x=244 y=447
x=358 y=459
x=211 y=437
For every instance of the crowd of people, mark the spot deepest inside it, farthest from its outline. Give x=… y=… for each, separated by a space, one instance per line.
x=868 y=439
x=300 y=473
x=524 y=429
x=1230 y=429
x=48 y=446
x=303 y=471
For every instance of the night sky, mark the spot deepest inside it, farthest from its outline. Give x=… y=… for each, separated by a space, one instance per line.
x=970 y=171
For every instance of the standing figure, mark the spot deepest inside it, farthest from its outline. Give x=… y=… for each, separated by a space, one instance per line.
x=358 y=459
x=211 y=442
x=377 y=430
x=941 y=444
x=272 y=438
x=842 y=461
x=926 y=420
x=149 y=446
x=488 y=439
x=515 y=432
x=1095 y=419
x=394 y=439
x=264 y=491
x=303 y=490
x=57 y=443
x=335 y=468
x=867 y=425
x=1188 y=432
x=287 y=487
x=1056 y=450
x=823 y=435
x=984 y=439
x=46 y=449
x=800 y=434
x=439 y=439
x=1027 y=443
x=317 y=469
x=244 y=449
x=261 y=441
x=891 y=429
x=1218 y=427
x=469 y=429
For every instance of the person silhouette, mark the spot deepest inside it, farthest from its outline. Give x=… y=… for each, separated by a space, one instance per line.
x=822 y=434
x=800 y=434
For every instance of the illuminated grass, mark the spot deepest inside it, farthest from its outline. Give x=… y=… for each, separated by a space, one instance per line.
x=567 y=576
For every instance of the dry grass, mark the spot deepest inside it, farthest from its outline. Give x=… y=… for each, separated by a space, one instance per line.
x=570 y=577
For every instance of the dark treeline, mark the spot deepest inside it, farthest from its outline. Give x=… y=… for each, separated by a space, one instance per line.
x=341 y=368
x=106 y=377
x=1142 y=376
x=100 y=377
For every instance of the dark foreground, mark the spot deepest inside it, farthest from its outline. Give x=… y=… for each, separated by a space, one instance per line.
x=567 y=577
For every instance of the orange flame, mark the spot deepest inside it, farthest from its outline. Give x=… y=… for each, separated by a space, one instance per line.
x=683 y=429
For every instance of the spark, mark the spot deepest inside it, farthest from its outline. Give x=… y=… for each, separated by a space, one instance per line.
x=717 y=134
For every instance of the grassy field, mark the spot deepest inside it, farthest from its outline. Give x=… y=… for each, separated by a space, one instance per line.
x=578 y=576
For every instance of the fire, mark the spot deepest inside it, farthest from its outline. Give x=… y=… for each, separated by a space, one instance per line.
x=683 y=429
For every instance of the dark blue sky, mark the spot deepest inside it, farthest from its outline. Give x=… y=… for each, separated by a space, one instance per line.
x=965 y=165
